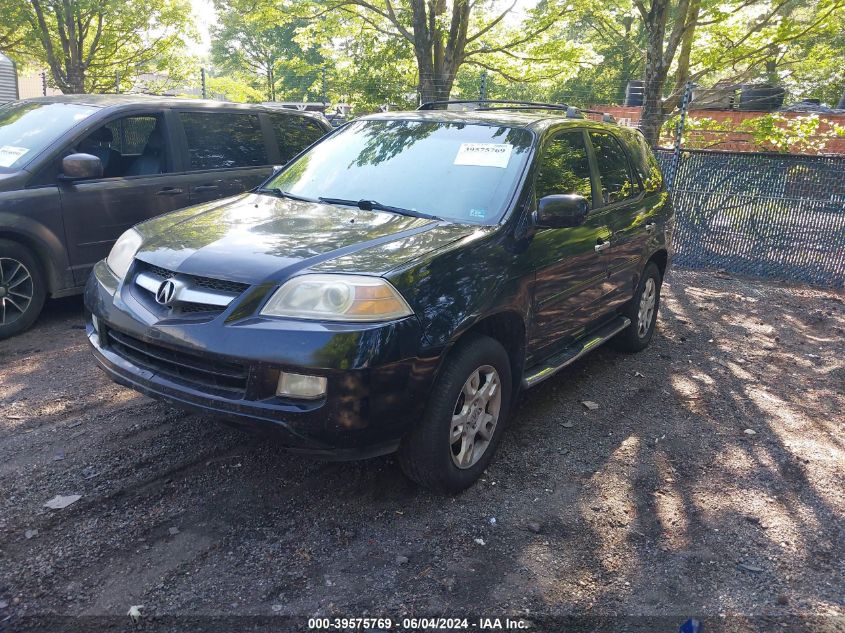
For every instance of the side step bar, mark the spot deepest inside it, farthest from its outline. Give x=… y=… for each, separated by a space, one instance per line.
x=538 y=373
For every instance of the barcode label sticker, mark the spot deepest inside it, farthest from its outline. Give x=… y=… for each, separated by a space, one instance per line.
x=484 y=154
x=9 y=154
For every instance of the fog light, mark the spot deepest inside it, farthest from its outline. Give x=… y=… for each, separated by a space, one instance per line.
x=301 y=386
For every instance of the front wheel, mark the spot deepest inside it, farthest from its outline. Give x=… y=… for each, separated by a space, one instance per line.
x=458 y=435
x=642 y=311
x=22 y=289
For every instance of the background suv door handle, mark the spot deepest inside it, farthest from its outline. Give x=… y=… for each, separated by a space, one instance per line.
x=201 y=188
x=169 y=191
x=602 y=246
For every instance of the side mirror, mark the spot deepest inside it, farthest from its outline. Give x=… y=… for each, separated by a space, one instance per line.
x=562 y=211
x=81 y=167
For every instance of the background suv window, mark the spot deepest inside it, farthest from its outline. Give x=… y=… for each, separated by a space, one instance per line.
x=130 y=133
x=224 y=140
x=129 y=146
x=565 y=167
x=294 y=133
x=614 y=171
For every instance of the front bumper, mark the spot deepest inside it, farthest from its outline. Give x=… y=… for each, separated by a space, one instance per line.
x=377 y=384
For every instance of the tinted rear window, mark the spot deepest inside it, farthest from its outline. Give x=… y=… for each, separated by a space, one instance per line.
x=224 y=140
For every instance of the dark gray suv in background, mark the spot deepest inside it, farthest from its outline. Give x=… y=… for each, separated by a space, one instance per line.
x=76 y=171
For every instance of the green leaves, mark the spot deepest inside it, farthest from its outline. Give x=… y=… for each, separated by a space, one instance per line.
x=90 y=45
x=767 y=133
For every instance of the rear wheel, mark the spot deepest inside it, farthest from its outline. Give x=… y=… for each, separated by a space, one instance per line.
x=456 y=439
x=22 y=289
x=642 y=311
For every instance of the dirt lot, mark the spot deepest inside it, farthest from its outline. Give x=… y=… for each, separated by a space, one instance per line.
x=708 y=483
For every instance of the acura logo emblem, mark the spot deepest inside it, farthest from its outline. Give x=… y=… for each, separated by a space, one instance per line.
x=166 y=292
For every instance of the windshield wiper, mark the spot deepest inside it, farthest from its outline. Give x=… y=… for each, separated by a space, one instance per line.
x=276 y=191
x=373 y=205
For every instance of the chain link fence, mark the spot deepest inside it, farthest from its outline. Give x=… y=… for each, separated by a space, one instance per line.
x=770 y=215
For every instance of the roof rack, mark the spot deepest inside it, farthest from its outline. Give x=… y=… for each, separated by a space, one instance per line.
x=490 y=104
x=606 y=117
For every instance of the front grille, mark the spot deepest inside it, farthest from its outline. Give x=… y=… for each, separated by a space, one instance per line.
x=227 y=289
x=224 y=377
x=156 y=270
x=208 y=283
x=218 y=284
x=197 y=308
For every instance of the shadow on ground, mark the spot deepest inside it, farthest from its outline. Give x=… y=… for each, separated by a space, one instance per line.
x=708 y=483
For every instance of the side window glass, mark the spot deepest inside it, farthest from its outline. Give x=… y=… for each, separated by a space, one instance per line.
x=294 y=133
x=615 y=175
x=129 y=146
x=647 y=166
x=565 y=167
x=224 y=140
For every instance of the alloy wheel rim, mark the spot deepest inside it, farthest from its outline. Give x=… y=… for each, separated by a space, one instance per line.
x=475 y=416
x=16 y=290
x=646 y=311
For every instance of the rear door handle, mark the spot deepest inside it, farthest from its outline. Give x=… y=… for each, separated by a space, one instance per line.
x=201 y=188
x=169 y=191
x=602 y=246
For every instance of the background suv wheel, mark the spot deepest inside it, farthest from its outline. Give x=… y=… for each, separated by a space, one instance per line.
x=458 y=435
x=22 y=288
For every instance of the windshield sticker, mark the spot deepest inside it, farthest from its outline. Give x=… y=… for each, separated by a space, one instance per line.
x=478 y=214
x=484 y=154
x=9 y=154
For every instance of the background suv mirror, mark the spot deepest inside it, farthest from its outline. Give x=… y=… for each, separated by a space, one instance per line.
x=561 y=211
x=81 y=167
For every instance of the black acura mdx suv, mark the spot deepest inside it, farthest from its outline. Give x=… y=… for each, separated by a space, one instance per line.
x=394 y=287
x=76 y=171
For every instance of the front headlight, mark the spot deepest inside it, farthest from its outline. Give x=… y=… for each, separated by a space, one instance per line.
x=338 y=298
x=123 y=251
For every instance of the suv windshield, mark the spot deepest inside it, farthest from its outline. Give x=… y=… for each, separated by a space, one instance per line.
x=458 y=171
x=26 y=128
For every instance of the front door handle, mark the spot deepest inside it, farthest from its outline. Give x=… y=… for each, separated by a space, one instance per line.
x=602 y=246
x=201 y=188
x=169 y=191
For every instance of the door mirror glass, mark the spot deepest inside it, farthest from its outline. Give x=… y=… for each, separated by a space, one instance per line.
x=81 y=167
x=560 y=211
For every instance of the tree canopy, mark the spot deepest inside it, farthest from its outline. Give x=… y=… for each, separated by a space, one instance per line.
x=376 y=53
x=92 y=45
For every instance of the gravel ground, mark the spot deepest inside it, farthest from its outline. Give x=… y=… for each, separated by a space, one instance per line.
x=708 y=483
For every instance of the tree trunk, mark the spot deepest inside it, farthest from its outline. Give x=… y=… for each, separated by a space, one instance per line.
x=439 y=53
x=436 y=87
x=652 y=114
x=75 y=83
x=682 y=70
x=271 y=83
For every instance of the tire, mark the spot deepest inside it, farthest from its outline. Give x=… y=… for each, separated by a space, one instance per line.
x=454 y=442
x=637 y=336
x=22 y=289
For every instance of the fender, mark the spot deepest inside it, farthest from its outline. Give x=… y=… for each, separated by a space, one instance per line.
x=48 y=247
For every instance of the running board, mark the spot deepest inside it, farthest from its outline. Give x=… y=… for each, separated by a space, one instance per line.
x=547 y=369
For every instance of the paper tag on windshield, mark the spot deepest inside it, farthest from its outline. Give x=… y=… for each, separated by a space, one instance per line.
x=9 y=154
x=484 y=154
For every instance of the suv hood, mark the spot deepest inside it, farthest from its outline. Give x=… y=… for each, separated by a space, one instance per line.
x=255 y=237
